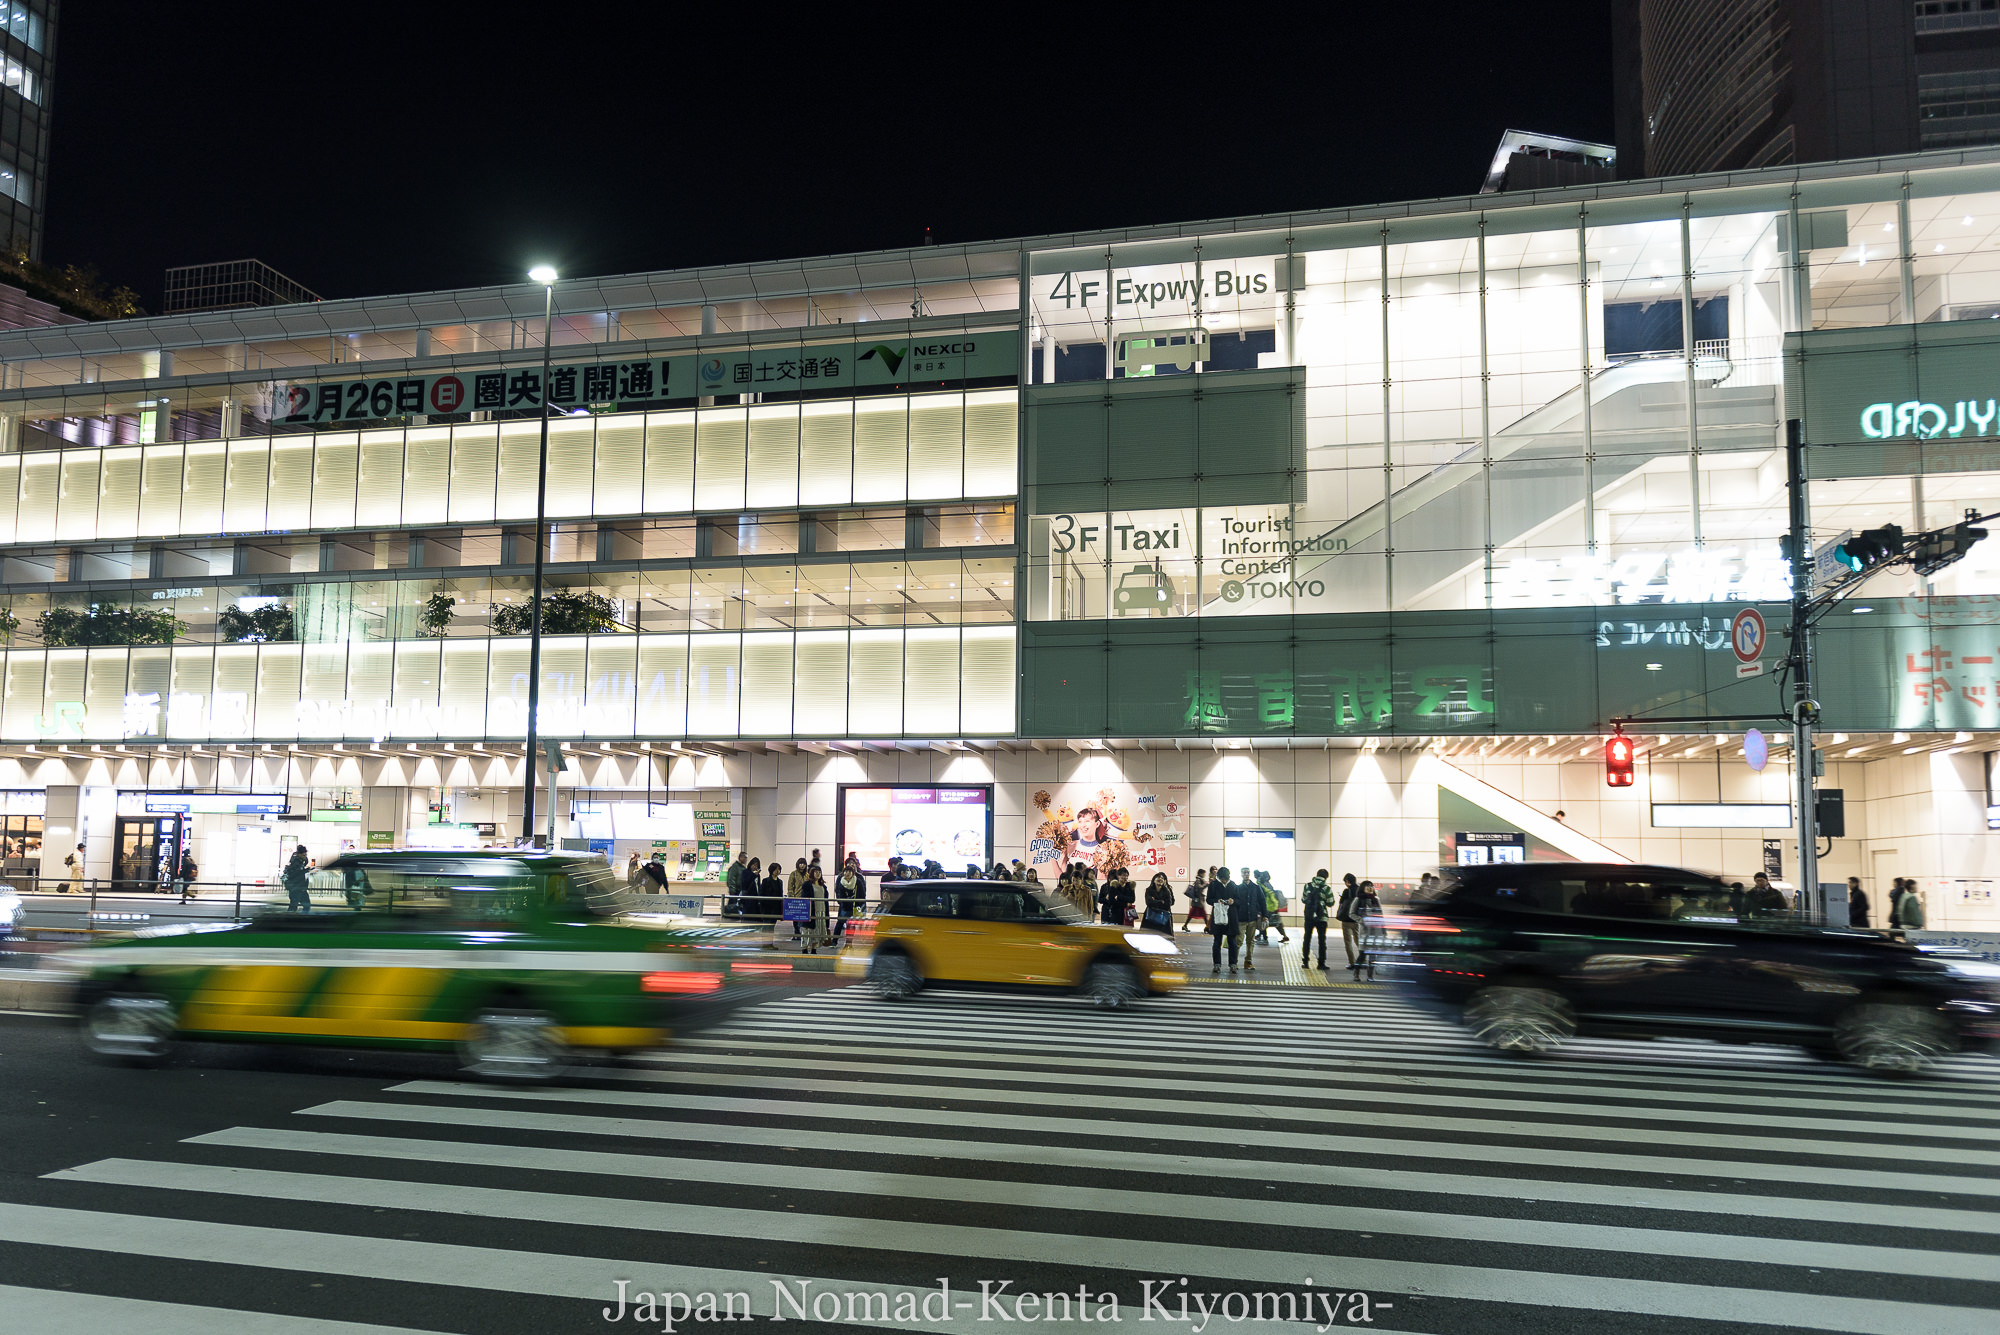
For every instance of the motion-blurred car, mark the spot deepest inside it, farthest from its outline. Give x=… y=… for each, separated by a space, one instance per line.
x=515 y=959
x=1530 y=954
x=10 y=911
x=1003 y=933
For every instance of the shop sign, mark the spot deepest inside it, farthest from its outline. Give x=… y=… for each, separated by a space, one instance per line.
x=381 y=838
x=1691 y=575
x=1478 y=848
x=827 y=366
x=1926 y=421
x=1774 y=858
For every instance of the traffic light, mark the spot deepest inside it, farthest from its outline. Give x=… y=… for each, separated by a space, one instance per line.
x=1618 y=762
x=1945 y=546
x=1867 y=550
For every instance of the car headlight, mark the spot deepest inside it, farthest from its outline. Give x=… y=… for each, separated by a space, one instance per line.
x=1146 y=943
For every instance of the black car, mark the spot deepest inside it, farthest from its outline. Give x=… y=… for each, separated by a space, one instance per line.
x=1529 y=954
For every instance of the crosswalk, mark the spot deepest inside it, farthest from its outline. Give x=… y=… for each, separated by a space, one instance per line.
x=1237 y=1160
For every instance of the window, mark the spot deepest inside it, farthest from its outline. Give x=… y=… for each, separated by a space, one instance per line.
x=22 y=23
x=927 y=903
x=20 y=78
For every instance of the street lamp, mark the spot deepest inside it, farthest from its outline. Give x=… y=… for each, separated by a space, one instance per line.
x=546 y=276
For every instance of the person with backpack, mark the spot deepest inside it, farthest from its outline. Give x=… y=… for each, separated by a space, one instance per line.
x=186 y=872
x=1313 y=905
x=1274 y=910
x=297 y=898
x=1222 y=920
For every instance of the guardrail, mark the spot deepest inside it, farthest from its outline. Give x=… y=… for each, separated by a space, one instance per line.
x=56 y=906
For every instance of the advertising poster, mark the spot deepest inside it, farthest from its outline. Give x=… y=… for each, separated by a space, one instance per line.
x=1143 y=827
x=945 y=825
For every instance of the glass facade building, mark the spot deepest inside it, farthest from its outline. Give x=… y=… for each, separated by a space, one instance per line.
x=1459 y=479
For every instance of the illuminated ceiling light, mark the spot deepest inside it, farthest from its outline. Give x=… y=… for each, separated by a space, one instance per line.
x=1966 y=220
x=1859 y=610
x=1938 y=248
x=1888 y=227
x=1654 y=667
x=1900 y=738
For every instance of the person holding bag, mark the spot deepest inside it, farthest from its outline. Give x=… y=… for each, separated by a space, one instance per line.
x=1159 y=905
x=1197 y=896
x=1222 y=920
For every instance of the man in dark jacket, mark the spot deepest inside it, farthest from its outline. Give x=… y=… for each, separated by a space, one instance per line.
x=1250 y=911
x=1222 y=919
x=1857 y=903
x=1313 y=906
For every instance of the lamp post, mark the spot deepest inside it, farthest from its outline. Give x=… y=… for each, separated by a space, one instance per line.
x=546 y=276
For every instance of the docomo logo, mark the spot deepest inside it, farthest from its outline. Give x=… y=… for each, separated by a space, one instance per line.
x=1883 y=421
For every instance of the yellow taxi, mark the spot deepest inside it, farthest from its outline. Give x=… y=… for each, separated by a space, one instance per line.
x=1003 y=933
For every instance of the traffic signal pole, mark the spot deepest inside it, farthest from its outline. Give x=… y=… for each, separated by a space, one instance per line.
x=1805 y=709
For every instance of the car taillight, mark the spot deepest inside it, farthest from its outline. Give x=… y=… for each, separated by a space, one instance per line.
x=760 y=966
x=860 y=927
x=689 y=981
x=1415 y=923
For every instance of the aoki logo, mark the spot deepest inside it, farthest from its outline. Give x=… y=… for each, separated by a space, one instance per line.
x=1882 y=421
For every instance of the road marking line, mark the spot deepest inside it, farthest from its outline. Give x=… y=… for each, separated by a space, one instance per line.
x=1540 y=1288
x=1635 y=1240
x=56 y=1312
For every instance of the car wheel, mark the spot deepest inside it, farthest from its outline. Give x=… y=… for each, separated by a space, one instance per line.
x=1892 y=1037
x=130 y=1027
x=1112 y=984
x=895 y=977
x=514 y=1045
x=1514 y=1017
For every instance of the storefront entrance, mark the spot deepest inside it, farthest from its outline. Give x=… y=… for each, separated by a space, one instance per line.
x=148 y=850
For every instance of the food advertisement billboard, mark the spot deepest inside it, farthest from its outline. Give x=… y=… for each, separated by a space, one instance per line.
x=951 y=826
x=1108 y=825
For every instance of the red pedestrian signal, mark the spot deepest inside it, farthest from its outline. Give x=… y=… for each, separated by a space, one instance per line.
x=1618 y=763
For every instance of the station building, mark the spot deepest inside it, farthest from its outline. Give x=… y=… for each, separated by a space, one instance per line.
x=1336 y=539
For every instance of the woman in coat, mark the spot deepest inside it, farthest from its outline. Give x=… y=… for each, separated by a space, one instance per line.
x=772 y=896
x=851 y=889
x=1159 y=904
x=814 y=889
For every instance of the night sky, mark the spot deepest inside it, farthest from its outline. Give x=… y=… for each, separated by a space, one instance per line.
x=377 y=148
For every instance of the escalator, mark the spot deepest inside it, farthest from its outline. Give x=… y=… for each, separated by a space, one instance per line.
x=1638 y=411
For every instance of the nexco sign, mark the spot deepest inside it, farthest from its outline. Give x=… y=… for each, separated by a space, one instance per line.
x=1884 y=421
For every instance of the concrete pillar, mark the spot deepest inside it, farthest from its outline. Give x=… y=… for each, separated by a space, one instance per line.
x=60 y=832
x=389 y=809
x=232 y=418
x=10 y=441
x=423 y=343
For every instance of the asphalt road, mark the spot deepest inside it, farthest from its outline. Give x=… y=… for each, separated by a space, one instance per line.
x=1246 y=1140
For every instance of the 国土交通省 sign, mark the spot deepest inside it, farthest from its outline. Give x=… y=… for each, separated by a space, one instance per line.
x=854 y=366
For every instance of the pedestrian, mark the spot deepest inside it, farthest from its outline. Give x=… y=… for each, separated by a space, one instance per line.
x=1274 y=908
x=773 y=891
x=1031 y=877
x=1249 y=912
x=1895 y=902
x=187 y=871
x=1222 y=922
x=1159 y=904
x=1021 y=870
x=795 y=889
x=654 y=876
x=1366 y=909
x=853 y=889
x=1343 y=913
x=1909 y=909
x=1857 y=903
x=814 y=890
x=1313 y=905
x=972 y=872
x=732 y=885
x=1764 y=898
x=632 y=877
x=297 y=898
x=75 y=864
x=1197 y=898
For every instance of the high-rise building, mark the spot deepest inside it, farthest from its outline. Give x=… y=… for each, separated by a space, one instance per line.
x=1718 y=85
x=27 y=68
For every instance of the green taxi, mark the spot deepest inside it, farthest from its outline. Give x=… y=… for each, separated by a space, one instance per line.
x=515 y=959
